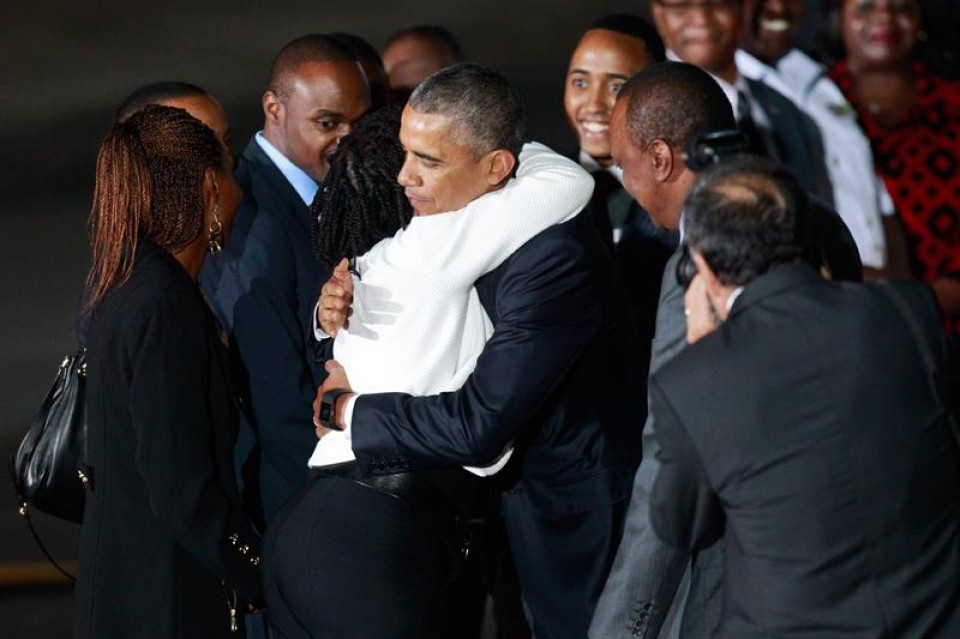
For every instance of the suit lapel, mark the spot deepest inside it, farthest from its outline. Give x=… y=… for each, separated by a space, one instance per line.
x=268 y=184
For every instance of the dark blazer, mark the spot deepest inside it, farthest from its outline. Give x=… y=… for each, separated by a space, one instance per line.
x=264 y=286
x=639 y=599
x=824 y=457
x=796 y=138
x=558 y=376
x=639 y=255
x=162 y=526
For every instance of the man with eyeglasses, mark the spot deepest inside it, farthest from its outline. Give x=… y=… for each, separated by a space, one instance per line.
x=707 y=33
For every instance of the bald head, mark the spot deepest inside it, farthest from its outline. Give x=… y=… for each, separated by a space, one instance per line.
x=413 y=54
x=311 y=48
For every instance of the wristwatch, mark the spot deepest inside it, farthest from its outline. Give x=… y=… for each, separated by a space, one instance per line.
x=328 y=405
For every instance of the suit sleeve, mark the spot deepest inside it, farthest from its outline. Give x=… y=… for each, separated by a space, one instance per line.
x=175 y=453
x=684 y=510
x=276 y=349
x=646 y=573
x=548 y=312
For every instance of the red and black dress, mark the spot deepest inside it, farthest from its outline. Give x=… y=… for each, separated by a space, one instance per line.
x=919 y=161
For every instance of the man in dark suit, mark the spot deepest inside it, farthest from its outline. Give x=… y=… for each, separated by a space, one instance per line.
x=653 y=589
x=804 y=426
x=558 y=378
x=610 y=51
x=707 y=35
x=264 y=284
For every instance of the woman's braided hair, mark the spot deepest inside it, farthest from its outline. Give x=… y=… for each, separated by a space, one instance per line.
x=149 y=185
x=360 y=202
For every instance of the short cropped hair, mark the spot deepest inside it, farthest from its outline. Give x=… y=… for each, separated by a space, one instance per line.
x=156 y=93
x=314 y=47
x=636 y=27
x=481 y=103
x=674 y=101
x=745 y=216
x=433 y=33
x=372 y=64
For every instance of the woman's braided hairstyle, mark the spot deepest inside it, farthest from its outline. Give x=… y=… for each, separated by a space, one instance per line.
x=149 y=185
x=360 y=202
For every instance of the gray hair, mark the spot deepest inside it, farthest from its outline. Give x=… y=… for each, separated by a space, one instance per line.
x=480 y=101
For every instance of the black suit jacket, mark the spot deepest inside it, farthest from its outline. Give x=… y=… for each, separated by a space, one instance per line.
x=806 y=429
x=264 y=285
x=162 y=525
x=796 y=139
x=559 y=376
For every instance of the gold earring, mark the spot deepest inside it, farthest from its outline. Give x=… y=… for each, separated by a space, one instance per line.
x=215 y=233
x=922 y=35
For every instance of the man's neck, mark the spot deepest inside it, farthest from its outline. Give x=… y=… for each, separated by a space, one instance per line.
x=305 y=186
x=728 y=73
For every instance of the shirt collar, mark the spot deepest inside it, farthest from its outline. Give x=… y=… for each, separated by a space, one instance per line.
x=730 y=90
x=733 y=298
x=591 y=165
x=305 y=186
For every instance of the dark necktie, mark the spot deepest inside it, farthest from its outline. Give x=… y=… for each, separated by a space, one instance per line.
x=606 y=186
x=756 y=137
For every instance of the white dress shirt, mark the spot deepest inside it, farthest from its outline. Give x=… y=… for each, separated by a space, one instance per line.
x=859 y=195
x=418 y=326
x=305 y=186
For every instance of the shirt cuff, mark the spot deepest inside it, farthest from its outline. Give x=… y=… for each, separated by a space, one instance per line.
x=347 y=417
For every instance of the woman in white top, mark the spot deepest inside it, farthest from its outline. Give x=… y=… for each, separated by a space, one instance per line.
x=418 y=327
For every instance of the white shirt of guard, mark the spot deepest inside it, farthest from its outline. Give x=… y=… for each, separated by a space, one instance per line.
x=418 y=325
x=859 y=195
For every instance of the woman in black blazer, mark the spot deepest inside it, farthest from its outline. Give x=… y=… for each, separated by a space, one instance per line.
x=165 y=550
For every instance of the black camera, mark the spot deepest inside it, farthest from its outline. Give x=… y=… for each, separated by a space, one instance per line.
x=706 y=148
x=686 y=268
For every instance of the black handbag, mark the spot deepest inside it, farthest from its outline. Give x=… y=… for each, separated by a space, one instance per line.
x=48 y=468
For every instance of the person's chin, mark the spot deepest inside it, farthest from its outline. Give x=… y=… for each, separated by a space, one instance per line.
x=599 y=152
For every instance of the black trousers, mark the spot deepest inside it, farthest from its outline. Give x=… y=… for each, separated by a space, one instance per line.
x=343 y=560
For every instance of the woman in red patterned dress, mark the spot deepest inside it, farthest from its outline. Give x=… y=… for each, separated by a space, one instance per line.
x=912 y=118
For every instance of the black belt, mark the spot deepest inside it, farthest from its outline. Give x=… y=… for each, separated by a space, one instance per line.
x=413 y=488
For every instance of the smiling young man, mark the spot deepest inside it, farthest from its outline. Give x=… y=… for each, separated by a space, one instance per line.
x=264 y=283
x=609 y=52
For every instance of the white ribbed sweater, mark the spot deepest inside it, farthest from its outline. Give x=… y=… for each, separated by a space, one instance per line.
x=417 y=325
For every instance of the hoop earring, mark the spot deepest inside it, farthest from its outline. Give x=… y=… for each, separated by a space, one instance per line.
x=922 y=35
x=215 y=232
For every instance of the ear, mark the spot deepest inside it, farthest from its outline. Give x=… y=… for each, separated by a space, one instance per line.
x=272 y=107
x=661 y=159
x=657 y=12
x=211 y=189
x=500 y=163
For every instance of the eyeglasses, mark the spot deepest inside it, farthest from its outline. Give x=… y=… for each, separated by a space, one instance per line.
x=687 y=5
